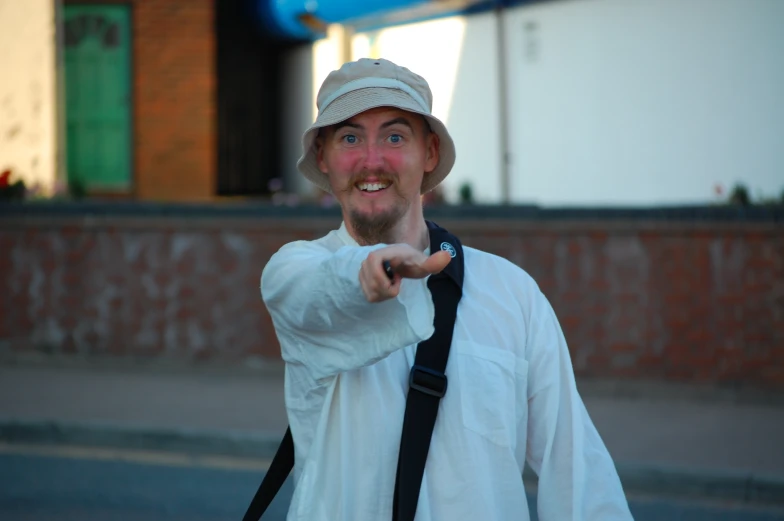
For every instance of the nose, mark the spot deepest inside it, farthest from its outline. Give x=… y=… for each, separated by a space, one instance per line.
x=374 y=158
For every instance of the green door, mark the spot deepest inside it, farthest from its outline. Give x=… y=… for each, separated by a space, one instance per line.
x=98 y=95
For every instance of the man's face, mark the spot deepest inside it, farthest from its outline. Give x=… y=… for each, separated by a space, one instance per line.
x=375 y=162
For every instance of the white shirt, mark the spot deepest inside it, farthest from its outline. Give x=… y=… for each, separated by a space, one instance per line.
x=511 y=394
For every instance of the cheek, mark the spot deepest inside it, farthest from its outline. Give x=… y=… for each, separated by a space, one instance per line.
x=403 y=162
x=345 y=162
x=398 y=163
x=408 y=166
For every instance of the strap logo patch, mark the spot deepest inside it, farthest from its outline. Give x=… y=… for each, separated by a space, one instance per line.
x=451 y=249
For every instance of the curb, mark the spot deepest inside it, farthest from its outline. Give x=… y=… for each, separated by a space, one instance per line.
x=683 y=483
x=738 y=487
x=640 y=479
x=224 y=443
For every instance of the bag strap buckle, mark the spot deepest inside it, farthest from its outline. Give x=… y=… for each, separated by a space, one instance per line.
x=428 y=381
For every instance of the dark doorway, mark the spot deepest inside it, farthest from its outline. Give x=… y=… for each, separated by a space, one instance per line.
x=250 y=86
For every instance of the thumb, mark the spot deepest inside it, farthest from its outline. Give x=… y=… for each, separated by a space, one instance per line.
x=437 y=262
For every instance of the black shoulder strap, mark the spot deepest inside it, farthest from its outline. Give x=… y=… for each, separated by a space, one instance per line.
x=427 y=381
x=273 y=480
x=427 y=385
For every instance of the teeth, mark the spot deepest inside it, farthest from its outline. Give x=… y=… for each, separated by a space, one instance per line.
x=372 y=187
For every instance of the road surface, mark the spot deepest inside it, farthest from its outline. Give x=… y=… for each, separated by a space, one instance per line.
x=38 y=484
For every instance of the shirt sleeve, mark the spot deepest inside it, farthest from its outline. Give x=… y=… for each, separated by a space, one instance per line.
x=321 y=315
x=577 y=477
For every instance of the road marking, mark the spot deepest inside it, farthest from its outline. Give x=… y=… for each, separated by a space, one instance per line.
x=149 y=457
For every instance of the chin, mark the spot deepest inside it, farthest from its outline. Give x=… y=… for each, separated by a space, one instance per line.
x=370 y=208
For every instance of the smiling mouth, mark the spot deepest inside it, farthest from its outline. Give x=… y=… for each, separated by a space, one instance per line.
x=372 y=187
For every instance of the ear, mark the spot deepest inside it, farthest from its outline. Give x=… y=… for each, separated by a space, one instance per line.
x=319 y=144
x=431 y=152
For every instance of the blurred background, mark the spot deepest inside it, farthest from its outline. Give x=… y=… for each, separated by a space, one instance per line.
x=628 y=154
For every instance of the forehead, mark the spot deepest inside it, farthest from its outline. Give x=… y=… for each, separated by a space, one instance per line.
x=380 y=115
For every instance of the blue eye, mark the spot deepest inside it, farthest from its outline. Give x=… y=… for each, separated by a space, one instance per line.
x=350 y=139
x=395 y=138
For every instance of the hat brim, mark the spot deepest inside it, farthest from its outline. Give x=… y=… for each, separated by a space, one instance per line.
x=358 y=101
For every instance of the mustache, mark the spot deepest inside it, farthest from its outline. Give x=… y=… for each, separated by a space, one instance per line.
x=381 y=175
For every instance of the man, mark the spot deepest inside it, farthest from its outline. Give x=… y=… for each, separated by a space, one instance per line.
x=349 y=336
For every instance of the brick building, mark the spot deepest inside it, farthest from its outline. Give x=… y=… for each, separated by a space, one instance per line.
x=152 y=99
x=201 y=84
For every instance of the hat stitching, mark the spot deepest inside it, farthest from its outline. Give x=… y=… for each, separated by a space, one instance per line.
x=371 y=82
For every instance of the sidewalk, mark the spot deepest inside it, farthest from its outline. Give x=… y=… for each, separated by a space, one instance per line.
x=665 y=440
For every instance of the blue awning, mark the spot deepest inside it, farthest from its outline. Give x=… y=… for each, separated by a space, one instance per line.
x=307 y=19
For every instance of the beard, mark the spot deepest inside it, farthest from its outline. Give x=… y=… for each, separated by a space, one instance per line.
x=379 y=227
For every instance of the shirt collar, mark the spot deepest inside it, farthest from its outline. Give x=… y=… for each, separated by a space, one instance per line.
x=344 y=236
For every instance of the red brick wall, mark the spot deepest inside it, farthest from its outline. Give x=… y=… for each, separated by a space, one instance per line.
x=691 y=301
x=174 y=99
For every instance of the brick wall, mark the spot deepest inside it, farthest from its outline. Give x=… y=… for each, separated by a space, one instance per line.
x=174 y=99
x=689 y=301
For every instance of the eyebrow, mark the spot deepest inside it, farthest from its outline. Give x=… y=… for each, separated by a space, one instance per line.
x=398 y=121
x=342 y=124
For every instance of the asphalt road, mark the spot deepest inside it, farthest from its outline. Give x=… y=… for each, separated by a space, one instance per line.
x=91 y=486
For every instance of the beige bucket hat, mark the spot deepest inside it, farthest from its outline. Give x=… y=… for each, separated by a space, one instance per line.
x=365 y=84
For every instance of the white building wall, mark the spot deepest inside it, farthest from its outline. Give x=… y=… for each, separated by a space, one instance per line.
x=634 y=102
x=28 y=104
x=609 y=102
